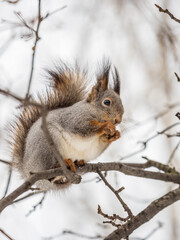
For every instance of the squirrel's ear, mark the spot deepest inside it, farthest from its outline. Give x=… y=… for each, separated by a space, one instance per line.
x=101 y=85
x=117 y=82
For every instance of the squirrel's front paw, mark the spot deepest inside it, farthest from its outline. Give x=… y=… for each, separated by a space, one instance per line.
x=110 y=132
x=109 y=129
x=114 y=137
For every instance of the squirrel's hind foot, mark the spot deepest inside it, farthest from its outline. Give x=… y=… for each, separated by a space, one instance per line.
x=79 y=163
x=62 y=179
x=70 y=164
x=59 y=180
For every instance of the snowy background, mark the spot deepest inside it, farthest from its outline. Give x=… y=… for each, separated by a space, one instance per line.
x=144 y=46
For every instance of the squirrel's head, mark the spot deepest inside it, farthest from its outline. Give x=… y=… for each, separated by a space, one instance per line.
x=107 y=100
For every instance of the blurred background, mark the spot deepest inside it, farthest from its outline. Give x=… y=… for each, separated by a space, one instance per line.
x=144 y=46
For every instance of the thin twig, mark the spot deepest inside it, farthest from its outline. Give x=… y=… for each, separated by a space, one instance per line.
x=178 y=115
x=8 y=200
x=11 y=2
x=178 y=78
x=24 y=23
x=37 y=38
x=160 y=225
x=80 y=235
x=163 y=167
x=124 y=205
x=6 y=162
x=144 y=216
x=173 y=152
x=24 y=101
x=167 y=12
x=5 y=234
x=144 y=143
x=156 y=116
x=114 y=217
x=53 y=12
x=27 y=196
x=8 y=182
x=36 y=205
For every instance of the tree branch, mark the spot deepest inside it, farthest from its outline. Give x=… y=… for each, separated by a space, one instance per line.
x=96 y=167
x=126 y=208
x=5 y=234
x=144 y=216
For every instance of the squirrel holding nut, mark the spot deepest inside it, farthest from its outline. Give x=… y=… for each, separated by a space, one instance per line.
x=82 y=125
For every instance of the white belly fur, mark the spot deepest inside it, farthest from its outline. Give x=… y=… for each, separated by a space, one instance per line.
x=76 y=147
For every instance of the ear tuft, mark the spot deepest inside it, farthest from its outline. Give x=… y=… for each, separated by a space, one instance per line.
x=117 y=82
x=103 y=77
x=102 y=82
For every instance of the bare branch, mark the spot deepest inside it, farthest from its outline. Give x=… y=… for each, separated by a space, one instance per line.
x=156 y=116
x=128 y=170
x=24 y=101
x=113 y=218
x=27 y=196
x=178 y=115
x=27 y=184
x=69 y=232
x=11 y=2
x=8 y=182
x=37 y=38
x=160 y=225
x=53 y=12
x=96 y=167
x=5 y=234
x=167 y=12
x=163 y=167
x=173 y=152
x=178 y=78
x=144 y=216
x=124 y=205
x=36 y=205
x=5 y=162
x=144 y=143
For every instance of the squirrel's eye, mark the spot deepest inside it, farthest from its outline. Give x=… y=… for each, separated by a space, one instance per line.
x=107 y=102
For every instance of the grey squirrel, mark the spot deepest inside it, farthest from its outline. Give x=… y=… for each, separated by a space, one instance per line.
x=81 y=125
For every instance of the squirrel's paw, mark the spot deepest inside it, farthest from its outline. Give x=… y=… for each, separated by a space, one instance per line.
x=59 y=180
x=70 y=164
x=114 y=137
x=107 y=129
x=79 y=163
x=110 y=132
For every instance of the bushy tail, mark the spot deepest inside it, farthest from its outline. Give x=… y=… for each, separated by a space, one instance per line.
x=67 y=86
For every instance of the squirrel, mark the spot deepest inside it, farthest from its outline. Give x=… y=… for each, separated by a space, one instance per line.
x=82 y=125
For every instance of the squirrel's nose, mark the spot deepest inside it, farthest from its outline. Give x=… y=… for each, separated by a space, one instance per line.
x=117 y=120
